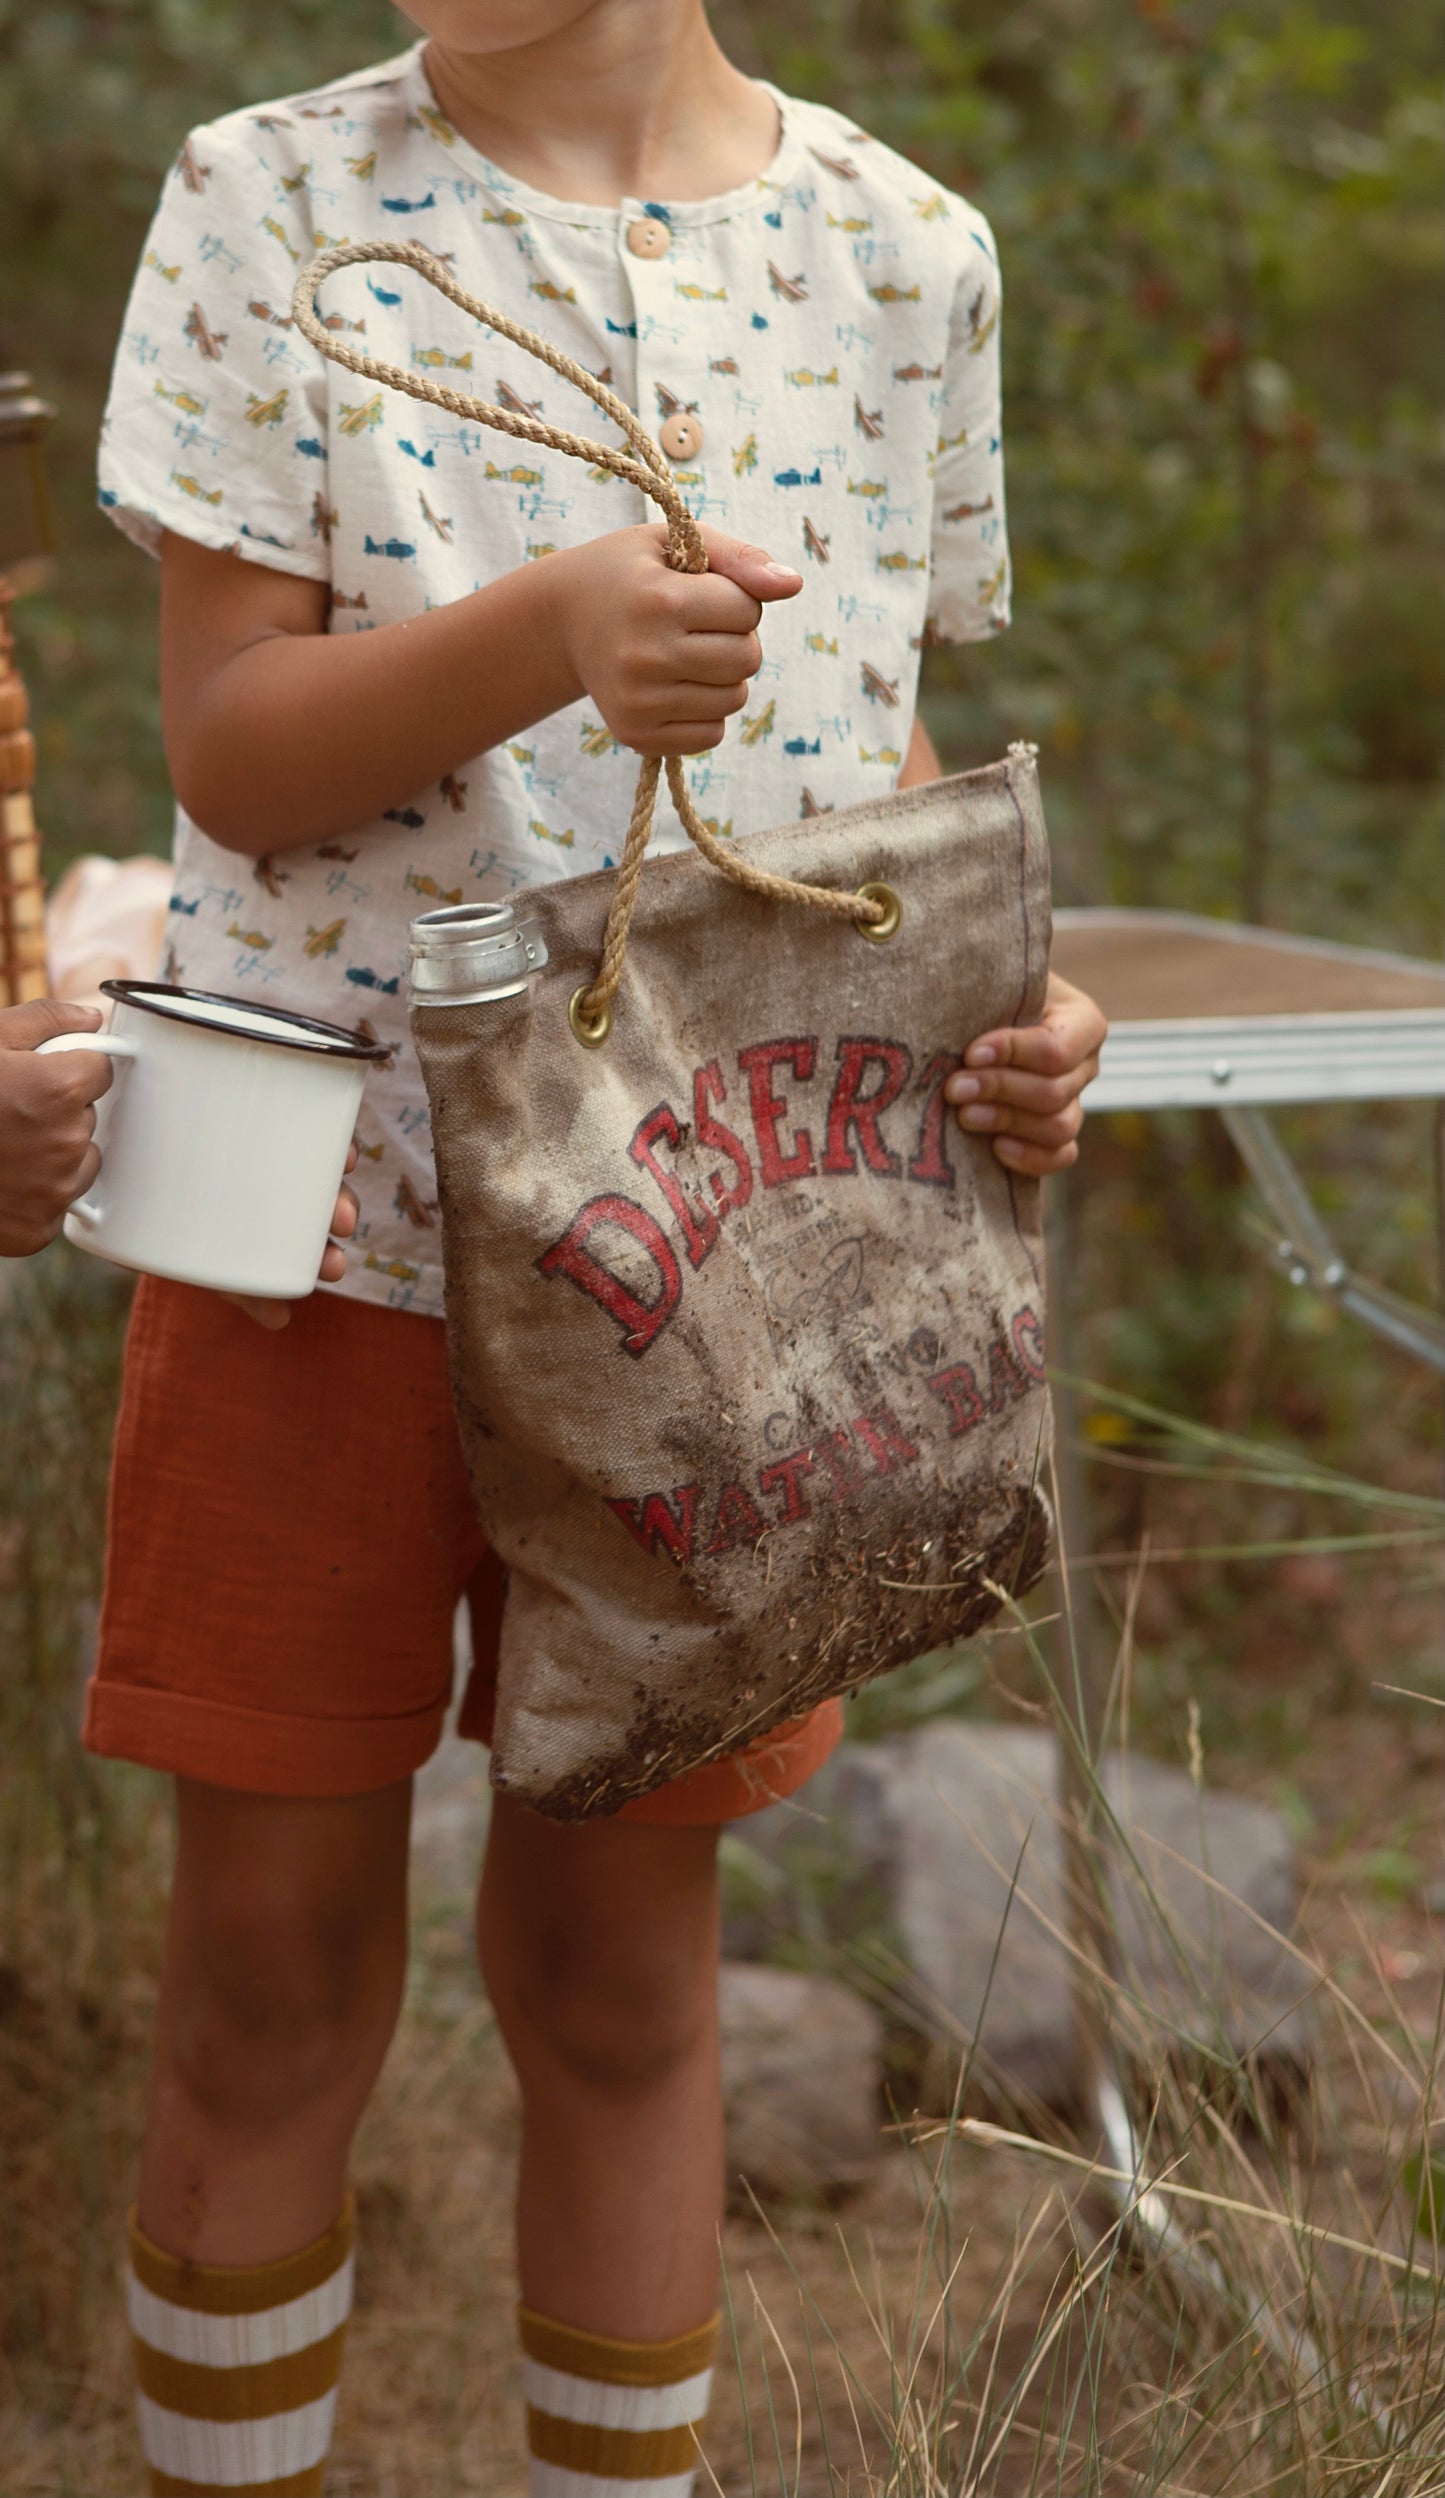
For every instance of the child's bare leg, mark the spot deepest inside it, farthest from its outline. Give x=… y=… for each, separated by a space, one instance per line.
x=599 y=1946
x=284 y=1956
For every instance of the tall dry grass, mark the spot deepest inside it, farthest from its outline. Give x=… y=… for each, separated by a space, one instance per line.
x=1252 y=2308
x=1227 y=2278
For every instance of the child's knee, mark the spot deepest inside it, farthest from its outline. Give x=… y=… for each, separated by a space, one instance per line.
x=269 y=2016
x=614 y=2020
x=599 y=1948
x=612 y=2043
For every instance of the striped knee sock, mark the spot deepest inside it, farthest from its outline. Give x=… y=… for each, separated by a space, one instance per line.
x=614 y=2419
x=236 y=2370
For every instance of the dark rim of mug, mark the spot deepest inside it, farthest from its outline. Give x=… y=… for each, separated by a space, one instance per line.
x=160 y=998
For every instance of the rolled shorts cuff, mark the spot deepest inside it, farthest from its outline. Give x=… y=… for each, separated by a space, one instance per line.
x=766 y=1772
x=258 y=1751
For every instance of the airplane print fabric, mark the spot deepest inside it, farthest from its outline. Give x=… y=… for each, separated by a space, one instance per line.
x=832 y=330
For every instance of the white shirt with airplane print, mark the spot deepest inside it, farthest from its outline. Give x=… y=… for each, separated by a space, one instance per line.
x=832 y=329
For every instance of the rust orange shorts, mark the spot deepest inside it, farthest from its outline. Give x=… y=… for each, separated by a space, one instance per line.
x=291 y=1531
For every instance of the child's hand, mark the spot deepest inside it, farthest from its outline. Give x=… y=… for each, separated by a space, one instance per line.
x=1021 y=1086
x=277 y=1314
x=48 y=1156
x=666 y=656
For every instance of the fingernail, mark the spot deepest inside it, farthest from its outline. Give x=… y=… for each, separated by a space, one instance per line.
x=783 y=572
x=979 y=1115
x=980 y=1055
x=962 y=1089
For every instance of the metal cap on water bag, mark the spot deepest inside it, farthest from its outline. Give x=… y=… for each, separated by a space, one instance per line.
x=472 y=953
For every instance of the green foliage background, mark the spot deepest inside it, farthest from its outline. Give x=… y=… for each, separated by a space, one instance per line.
x=1222 y=243
x=1222 y=246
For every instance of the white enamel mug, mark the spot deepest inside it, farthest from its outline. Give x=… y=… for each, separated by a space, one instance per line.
x=223 y=1138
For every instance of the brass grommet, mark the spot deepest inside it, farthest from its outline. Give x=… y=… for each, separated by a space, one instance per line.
x=878 y=931
x=590 y=1030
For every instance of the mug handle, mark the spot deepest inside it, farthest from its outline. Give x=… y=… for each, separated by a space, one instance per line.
x=85 y=1209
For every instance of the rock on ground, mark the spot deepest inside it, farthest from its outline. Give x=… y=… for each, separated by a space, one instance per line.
x=451 y=1804
x=452 y=1796
x=909 y=1846
x=802 y=2079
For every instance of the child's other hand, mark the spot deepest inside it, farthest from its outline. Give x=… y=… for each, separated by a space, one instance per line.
x=276 y=1314
x=1021 y=1086
x=48 y=1156
x=666 y=656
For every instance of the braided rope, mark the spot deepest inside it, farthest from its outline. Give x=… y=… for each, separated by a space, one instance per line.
x=647 y=469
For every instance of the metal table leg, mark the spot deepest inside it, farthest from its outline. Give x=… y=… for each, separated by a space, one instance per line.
x=1082 y=1681
x=1080 y=1676
x=1310 y=1256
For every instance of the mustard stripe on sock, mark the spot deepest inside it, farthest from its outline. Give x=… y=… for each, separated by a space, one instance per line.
x=593 y=2355
x=216 y=2290
x=611 y=2454
x=240 y=2393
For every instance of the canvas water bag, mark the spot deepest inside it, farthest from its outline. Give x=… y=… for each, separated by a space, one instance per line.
x=746 y=1334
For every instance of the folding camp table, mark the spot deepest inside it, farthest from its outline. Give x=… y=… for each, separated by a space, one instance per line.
x=1208 y=1016
x=1205 y=1014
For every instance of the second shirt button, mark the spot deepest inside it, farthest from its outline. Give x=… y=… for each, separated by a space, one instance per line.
x=681 y=437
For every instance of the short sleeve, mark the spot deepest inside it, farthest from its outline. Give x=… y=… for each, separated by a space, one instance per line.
x=969 y=579
x=216 y=423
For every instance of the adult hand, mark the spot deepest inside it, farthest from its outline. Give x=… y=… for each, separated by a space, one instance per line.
x=277 y=1314
x=1020 y=1087
x=48 y=1156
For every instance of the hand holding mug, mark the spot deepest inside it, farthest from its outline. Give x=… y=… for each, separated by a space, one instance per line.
x=220 y=1150
x=48 y=1155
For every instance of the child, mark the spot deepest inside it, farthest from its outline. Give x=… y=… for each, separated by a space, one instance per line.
x=404 y=663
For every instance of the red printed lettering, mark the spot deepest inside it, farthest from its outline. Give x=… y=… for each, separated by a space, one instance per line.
x=699 y=1228
x=657 y=1526
x=738 y=1521
x=1028 y=1336
x=930 y=1165
x=852 y=1109
x=957 y=1388
x=885 y=1440
x=708 y=1087
x=641 y=1321
x=836 y=1454
x=788 y=1475
x=768 y=1107
x=1007 y=1382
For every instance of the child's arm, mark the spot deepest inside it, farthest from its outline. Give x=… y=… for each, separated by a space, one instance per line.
x=279 y=733
x=47 y=1121
x=1021 y=1086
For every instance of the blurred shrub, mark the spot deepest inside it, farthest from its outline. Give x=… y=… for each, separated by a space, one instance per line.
x=94 y=101
x=1222 y=251
x=1222 y=247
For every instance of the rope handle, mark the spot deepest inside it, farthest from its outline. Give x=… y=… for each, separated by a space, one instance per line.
x=644 y=466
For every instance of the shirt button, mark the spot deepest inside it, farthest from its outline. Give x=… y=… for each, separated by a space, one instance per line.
x=681 y=438
x=648 y=239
